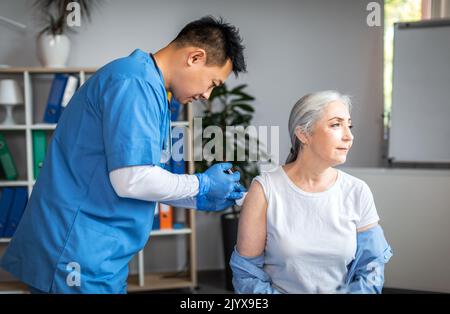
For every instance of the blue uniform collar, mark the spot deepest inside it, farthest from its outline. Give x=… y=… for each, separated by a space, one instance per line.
x=152 y=58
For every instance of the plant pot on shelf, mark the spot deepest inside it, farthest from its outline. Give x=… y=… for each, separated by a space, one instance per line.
x=230 y=222
x=53 y=50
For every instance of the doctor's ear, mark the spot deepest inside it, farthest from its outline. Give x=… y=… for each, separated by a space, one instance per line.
x=196 y=56
x=302 y=137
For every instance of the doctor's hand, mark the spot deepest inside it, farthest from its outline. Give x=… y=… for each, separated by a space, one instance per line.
x=216 y=184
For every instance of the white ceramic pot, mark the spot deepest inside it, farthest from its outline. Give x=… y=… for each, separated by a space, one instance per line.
x=53 y=50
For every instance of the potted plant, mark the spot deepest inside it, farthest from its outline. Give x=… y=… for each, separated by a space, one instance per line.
x=230 y=107
x=53 y=45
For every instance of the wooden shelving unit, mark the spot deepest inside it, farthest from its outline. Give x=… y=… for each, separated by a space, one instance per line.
x=13 y=287
x=25 y=77
x=144 y=280
x=159 y=281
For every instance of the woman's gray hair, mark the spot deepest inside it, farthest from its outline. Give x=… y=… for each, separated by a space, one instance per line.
x=305 y=114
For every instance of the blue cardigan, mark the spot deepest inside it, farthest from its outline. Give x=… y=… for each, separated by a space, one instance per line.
x=365 y=273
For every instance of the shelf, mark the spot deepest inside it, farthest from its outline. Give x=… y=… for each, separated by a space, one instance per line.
x=35 y=90
x=48 y=126
x=154 y=233
x=13 y=287
x=162 y=232
x=43 y=126
x=46 y=70
x=13 y=183
x=159 y=281
x=156 y=281
x=12 y=127
x=39 y=126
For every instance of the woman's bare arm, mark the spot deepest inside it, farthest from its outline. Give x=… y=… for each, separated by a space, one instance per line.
x=252 y=222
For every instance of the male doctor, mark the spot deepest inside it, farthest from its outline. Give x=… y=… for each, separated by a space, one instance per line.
x=92 y=206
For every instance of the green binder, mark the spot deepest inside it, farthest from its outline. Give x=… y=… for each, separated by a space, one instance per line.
x=6 y=160
x=39 y=150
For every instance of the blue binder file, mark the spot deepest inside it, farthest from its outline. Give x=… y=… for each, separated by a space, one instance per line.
x=16 y=211
x=5 y=204
x=55 y=97
x=175 y=108
x=155 y=225
x=177 y=165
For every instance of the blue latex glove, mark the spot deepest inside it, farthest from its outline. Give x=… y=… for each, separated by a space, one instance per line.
x=205 y=203
x=216 y=184
x=239 y=188
x=239 y=194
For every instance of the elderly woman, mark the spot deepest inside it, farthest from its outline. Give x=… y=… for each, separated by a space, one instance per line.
x=307 y=227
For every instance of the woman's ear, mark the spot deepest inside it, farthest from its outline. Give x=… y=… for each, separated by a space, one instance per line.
x=301 y=136
x=196 y=56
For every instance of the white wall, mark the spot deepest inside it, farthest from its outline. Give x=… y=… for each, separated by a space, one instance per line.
x=414 y=210
x=293 y=47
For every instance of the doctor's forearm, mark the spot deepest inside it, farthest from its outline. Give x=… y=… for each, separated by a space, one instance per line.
x=152 y=183
x=189 y=202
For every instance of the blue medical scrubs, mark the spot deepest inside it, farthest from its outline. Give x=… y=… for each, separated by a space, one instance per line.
x=75 y=226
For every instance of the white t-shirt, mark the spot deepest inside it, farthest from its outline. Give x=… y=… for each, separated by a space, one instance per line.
x=311 y=237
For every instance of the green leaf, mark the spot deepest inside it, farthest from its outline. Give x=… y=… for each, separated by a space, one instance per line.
x=244 y=107
x=218 y=92
x=232 y=107
x=243 y=97
x=238 y=89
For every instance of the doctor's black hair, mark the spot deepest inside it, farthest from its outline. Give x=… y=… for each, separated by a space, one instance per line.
x=219 y=39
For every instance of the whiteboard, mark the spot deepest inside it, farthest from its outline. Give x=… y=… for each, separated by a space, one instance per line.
x=420 y=116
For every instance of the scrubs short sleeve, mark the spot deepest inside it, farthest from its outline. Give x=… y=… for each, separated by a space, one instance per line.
x=132 y=123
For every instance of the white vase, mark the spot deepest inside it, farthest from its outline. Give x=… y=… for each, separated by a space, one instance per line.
x=53 y=50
